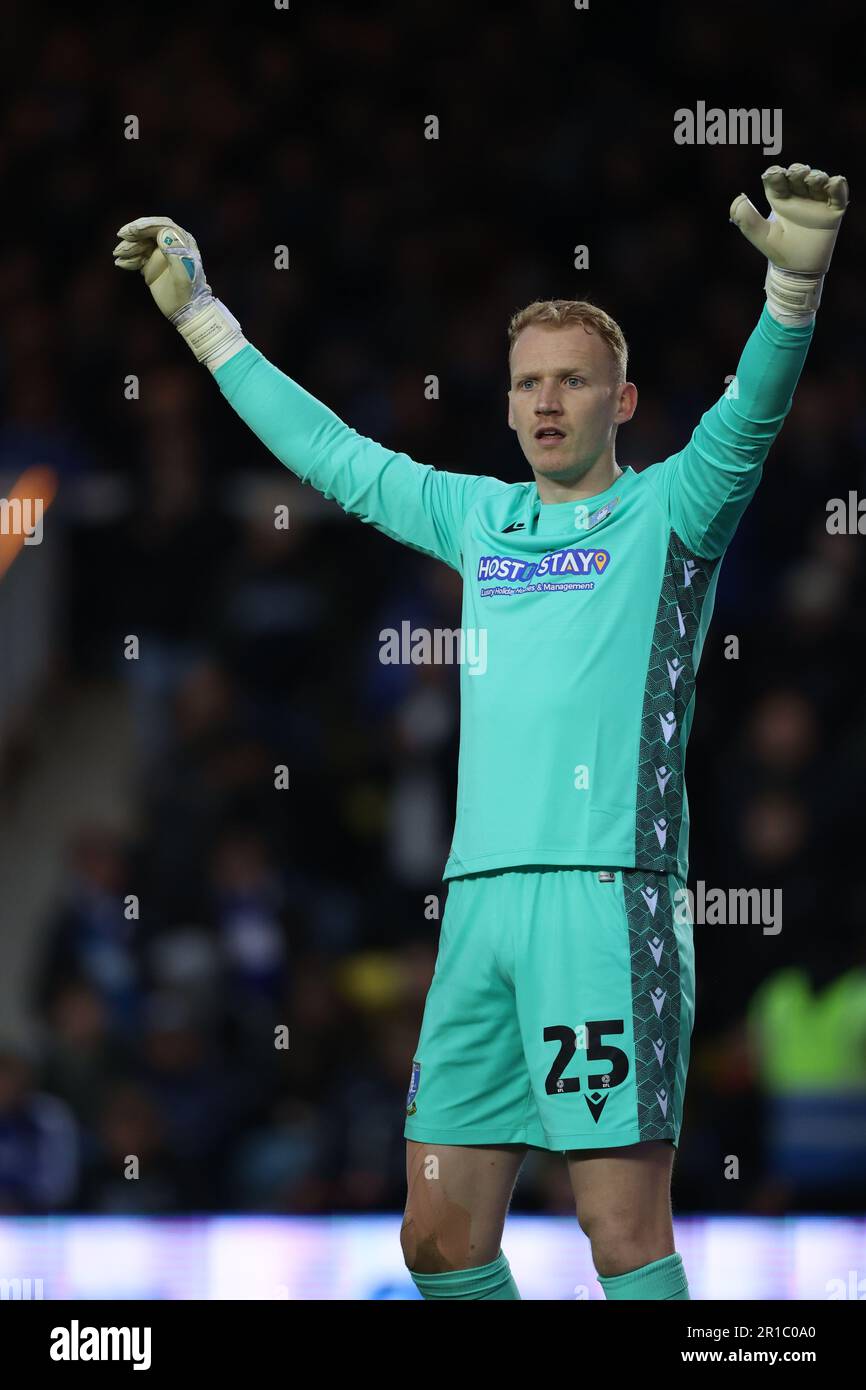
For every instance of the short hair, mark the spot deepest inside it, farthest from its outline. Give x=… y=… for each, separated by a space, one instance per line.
x=562 y=313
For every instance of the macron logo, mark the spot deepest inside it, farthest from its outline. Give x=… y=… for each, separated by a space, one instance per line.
x=76 y=1343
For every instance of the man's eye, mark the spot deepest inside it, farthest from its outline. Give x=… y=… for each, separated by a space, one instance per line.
x=575 y=378
x=527 y=382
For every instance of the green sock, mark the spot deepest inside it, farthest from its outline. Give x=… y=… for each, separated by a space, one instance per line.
x=662 y=1279
x=486 y=1281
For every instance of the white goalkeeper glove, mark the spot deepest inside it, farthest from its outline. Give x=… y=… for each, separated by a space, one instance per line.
x=169 y=260
x=797 y=238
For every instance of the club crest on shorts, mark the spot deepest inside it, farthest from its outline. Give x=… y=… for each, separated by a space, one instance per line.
x=411 y=1107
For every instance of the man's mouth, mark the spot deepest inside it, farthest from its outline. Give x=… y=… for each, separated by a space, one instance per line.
x=549 y=434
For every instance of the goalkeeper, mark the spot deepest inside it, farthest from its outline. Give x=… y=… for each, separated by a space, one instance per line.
x=561 y=1010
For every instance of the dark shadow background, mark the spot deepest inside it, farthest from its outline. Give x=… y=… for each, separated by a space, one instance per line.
x=310 y=907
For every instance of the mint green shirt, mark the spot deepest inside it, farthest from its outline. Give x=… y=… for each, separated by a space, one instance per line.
x=585 y=621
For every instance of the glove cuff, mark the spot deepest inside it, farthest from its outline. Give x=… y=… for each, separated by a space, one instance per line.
x=793 y=296
x=213 y=334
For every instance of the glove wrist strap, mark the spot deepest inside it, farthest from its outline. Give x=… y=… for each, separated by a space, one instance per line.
x=792 y=295
x=212 y=333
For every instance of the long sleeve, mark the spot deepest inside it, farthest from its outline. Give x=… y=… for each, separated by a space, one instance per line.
x=706 y=487
x=421 y=506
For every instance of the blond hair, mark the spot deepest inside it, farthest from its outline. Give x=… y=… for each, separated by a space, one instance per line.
x=562 y=313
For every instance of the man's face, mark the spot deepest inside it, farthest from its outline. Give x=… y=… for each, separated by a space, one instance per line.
x=563 y=380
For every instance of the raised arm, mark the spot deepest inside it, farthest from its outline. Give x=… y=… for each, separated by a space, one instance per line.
x=706 y=487
x=423 y=507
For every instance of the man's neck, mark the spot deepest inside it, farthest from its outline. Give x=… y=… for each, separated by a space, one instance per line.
x=600 y=477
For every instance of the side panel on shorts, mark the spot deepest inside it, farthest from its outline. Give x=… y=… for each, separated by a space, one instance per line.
x=662 y=999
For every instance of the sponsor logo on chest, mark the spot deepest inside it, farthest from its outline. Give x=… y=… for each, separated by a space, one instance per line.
x=577 y=567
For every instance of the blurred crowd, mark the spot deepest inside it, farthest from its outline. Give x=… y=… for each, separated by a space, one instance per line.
x=228 y=998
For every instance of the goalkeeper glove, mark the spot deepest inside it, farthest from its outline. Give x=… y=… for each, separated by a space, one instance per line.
x=169 y=260
x=797 y=238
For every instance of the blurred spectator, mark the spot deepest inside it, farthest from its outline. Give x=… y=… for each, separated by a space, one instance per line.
x=201 y=1094
x=808 y=1040
x=39 y=1154
x=94 y=937
x=134 y=1170
x=365 y=1152
x=81 y=1057
x=247 y=908
x=279 y=1168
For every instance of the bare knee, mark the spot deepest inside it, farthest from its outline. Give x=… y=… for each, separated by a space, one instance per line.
x=625 y=1239
x=421 y=1250
x=601 y=1223
x=442 y=1245
x=456 y=1205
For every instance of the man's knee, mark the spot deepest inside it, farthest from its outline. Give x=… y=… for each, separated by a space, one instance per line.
x=602 y=1224
x=625 y=1238
x=422 y=1250
x=441 y=1247
x=409 y=1241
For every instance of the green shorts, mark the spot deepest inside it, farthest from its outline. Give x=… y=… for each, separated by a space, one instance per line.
x=560 y=1012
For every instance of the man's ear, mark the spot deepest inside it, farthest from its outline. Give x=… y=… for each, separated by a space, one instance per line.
x=628 y=402
x=511 y=424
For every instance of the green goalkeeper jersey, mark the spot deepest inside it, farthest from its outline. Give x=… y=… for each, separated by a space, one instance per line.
x=583 y=622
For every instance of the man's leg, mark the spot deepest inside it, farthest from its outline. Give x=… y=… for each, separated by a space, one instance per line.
x=605 y=999
x=623 y=1203
x=455 y=1213
x=470 y=1111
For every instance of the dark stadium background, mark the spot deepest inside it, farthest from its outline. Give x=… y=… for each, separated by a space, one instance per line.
x=310 y=907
